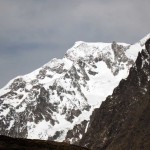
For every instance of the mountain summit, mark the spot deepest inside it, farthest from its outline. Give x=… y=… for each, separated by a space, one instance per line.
x=55 y=101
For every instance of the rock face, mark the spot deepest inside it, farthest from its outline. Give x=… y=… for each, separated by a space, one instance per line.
x=7 y=143
x=123 y=121
x=55 y=101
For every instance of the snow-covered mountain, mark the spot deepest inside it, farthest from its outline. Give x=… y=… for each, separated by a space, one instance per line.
x=55 y=101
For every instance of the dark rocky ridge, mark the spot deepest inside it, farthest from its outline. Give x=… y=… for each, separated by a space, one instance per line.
x=123 y=121
x=74 y=134
x=8 y=143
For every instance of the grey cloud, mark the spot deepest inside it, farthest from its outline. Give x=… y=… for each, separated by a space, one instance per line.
x=43 y=29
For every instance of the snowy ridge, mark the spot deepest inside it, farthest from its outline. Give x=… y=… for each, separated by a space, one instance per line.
x=142 y=41
x=54 y=100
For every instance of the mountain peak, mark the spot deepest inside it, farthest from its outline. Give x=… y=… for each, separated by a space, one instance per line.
x=56 y=99
x=143 y=40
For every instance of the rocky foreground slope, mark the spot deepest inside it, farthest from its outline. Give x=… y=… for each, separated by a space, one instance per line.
x=8 y=143
x=55 y=101
x=123 y=121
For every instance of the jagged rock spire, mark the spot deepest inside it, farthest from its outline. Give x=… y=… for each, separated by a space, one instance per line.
x=147 y=45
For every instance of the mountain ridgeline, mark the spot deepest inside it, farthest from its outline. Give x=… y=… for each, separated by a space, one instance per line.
x=123 y=120
x=55 y=102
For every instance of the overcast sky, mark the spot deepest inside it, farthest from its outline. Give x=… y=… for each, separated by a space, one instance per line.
x=32 y=32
